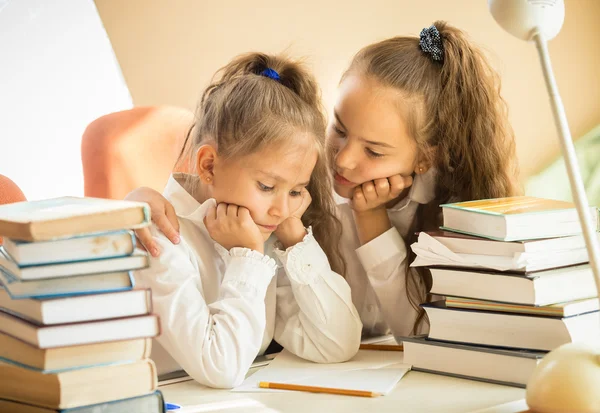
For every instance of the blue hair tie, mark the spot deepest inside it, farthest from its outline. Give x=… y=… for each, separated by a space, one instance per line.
x=431 y=43
x=270 y=73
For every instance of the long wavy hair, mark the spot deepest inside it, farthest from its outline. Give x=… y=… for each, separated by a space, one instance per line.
x=455 y=113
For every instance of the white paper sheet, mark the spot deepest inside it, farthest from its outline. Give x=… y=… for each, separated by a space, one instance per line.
x=430 y=252
x=369 y=370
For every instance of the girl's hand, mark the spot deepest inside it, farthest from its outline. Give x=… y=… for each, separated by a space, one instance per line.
x=291 y=231
x=232 y=226
x=376 y=194
x=162 y=215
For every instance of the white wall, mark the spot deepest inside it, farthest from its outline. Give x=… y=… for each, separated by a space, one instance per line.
x=58 y=72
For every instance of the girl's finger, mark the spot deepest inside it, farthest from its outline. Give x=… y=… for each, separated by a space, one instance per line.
x=145 y=238
x=164 y=224
x=232 y=210
x=382 y=187
x=221 y=210
x=397 y=185
x=369 y=192
x=244 y=214
x=172 y=217
x=358 y=198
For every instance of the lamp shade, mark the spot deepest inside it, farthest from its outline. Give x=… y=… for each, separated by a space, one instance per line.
x=522 y=18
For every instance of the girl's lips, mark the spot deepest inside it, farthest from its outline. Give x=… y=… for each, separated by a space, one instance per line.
x=343 y=181
x=271 y=228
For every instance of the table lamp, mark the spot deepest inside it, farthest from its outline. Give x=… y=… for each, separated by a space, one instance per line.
x=568 y=378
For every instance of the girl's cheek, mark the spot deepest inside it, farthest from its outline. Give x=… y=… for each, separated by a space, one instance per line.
x=295 y=203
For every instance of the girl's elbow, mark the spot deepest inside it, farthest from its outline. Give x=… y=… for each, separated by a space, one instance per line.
x=350 y=348
x=227 y=381
x=220 y=377
x=343 y=350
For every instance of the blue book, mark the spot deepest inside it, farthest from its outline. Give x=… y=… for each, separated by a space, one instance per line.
x=150 y=403
x=66 y=286
x=138 y=260
x=80 y=248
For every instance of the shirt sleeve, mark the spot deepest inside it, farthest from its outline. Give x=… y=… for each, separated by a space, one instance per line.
x=214 y=343
x=316 y=319
x=384 y=261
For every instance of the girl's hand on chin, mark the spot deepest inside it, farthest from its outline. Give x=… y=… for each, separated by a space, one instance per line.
x=377 y=193
x=291 y=231
x=232 y=226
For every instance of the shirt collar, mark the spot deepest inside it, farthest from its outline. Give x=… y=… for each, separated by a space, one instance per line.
x=177 y=191
x=421 y=191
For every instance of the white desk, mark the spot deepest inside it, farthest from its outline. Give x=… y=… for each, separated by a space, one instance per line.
x=416 y=392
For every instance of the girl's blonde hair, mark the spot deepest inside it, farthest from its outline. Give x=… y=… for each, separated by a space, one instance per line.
x=244 y=111
x=454 y=111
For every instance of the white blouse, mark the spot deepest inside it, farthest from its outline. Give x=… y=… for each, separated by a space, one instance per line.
x=219 y=309
x=376 y=271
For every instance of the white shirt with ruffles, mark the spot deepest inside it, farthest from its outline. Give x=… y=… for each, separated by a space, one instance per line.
x=219 y=309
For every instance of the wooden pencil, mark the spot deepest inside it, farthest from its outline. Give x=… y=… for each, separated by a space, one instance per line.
x=314 y=389
x=382 y=347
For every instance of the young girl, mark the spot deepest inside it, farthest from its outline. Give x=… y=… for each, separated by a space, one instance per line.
x=419 y=121
x=258 y=153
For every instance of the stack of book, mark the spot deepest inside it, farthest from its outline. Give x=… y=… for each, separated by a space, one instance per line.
x=74 y=333
x=517 y=285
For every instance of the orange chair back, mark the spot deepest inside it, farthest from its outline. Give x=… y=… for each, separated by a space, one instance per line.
x=124 y=150
x=9 y=193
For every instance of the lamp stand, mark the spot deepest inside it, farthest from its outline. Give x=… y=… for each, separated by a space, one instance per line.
x=568 y=378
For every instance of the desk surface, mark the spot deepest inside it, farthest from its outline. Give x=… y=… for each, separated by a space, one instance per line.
x=416 y=392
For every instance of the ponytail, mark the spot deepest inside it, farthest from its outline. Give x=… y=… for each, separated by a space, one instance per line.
x=451 y=102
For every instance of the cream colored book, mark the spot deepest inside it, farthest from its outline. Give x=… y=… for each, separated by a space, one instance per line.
x=489 y=364
x=569 y=309
x=18 y=352
x=76 y=388
x=510 y=330
x=70 y=216
x=74 y=334
x=514 y=218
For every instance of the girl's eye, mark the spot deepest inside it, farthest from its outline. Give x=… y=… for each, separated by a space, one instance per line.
x=265 y=188
x=296 y=193
x=373 y=154
x=338 y=131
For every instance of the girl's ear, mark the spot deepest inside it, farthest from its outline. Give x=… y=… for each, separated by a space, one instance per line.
x=425 y=160
x=206 y=158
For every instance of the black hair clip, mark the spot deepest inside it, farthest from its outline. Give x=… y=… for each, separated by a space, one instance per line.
x=431 y=43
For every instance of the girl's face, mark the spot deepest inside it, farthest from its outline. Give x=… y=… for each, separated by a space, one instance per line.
x=268 y=182
x=369 y=135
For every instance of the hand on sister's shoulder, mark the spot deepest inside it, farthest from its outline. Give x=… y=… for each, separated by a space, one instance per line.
x=163 y=216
